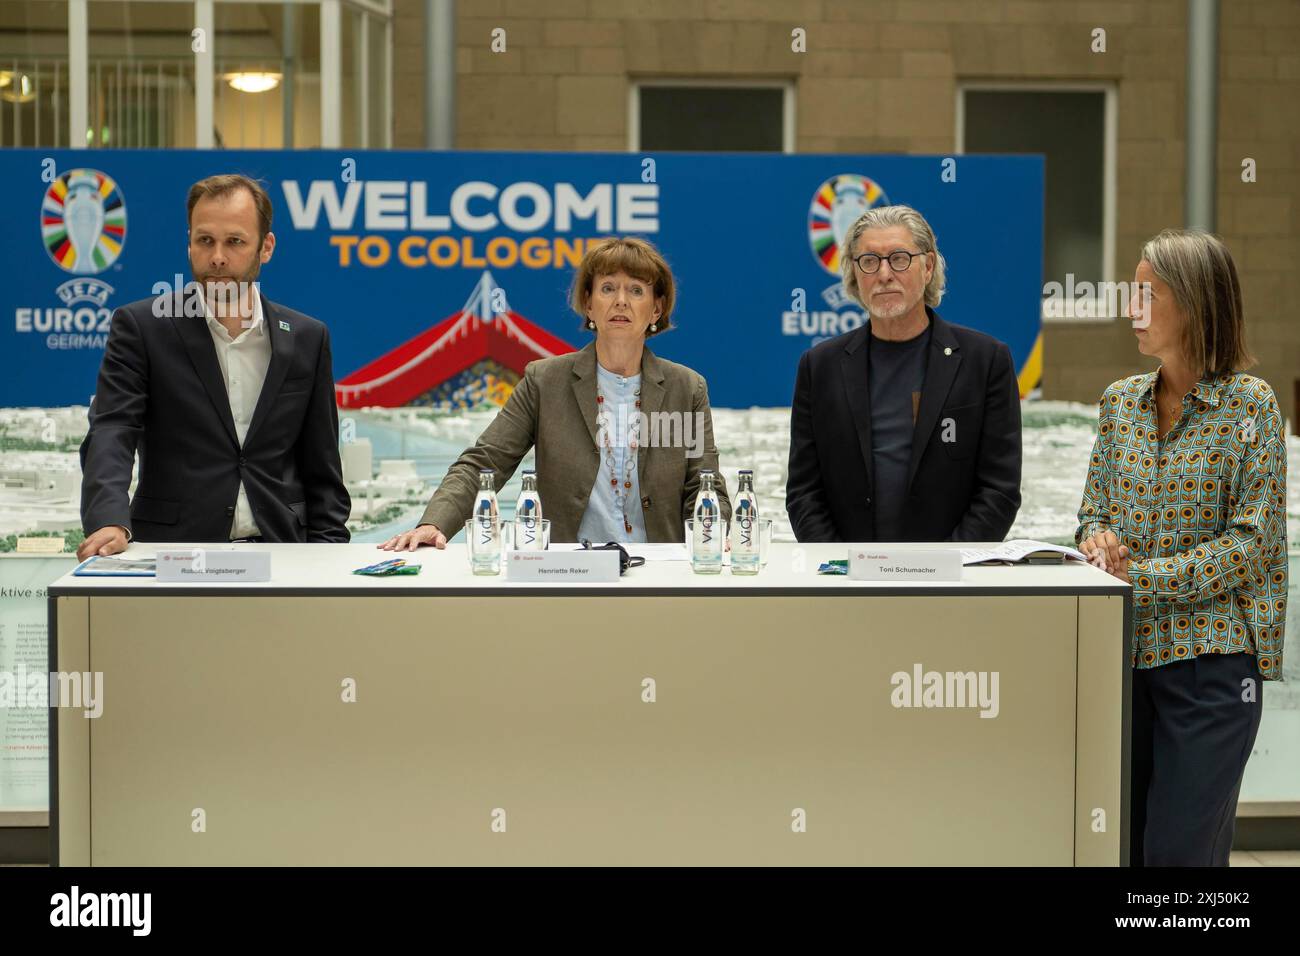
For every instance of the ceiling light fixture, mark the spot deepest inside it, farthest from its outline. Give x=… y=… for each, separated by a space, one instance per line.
x=253 y=82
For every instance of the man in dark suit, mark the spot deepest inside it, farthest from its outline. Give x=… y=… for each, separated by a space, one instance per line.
x=908 y=428
x=227 y=396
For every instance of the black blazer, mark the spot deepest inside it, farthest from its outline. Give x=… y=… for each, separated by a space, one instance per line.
x=967 y=489
x=160 y=391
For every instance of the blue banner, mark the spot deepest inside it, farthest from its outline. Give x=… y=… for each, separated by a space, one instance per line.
x=441 y=274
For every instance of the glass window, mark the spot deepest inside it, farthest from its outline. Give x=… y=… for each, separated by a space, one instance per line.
x=378 y=85
x=1068 y=128
x=364 y=56
x=141 y=66
x=34 y=73
x=267 y=83
x=352 y=124
x=141 y=74
x=723 y=119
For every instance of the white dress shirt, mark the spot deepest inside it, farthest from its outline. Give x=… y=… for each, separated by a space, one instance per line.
x=244 y=361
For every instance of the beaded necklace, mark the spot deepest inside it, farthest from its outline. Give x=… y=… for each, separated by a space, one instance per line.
x=633 y=442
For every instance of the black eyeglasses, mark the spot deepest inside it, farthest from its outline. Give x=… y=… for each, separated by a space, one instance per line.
x=899 y=261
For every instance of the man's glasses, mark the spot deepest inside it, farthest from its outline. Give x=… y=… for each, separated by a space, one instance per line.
x=899 y=261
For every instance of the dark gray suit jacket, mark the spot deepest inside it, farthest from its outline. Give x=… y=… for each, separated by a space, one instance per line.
x=161 y=392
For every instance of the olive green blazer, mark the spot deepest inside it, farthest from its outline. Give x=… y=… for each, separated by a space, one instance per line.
x=553 y=408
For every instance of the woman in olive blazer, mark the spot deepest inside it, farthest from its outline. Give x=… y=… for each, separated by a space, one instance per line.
x=621 y=434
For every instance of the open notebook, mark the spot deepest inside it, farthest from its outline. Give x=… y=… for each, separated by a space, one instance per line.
x=1021 y=551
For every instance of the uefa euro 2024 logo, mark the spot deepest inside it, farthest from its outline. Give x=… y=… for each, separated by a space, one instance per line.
x=83 y=221
x=835 y=207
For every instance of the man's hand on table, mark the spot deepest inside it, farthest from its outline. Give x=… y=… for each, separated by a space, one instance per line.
x=105 y=541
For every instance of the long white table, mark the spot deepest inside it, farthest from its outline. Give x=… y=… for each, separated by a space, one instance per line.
x=669 y=718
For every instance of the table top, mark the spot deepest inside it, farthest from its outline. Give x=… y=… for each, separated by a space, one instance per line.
x=326 y=570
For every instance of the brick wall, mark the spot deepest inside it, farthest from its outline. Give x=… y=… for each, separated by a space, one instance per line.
x=563 y=82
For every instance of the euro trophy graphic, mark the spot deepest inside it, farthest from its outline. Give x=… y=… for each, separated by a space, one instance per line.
x=83 y=218
x=848 y=206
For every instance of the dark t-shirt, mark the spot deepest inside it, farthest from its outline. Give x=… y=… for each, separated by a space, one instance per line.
x=896 y=374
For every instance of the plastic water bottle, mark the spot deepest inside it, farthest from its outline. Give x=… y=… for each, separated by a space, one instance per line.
x=745 y=553
x=485 y=549
x=528 y=515
x=707 y=531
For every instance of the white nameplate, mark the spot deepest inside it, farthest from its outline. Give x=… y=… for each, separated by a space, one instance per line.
x=573 y=567
x=200 y=566
x=875 y=564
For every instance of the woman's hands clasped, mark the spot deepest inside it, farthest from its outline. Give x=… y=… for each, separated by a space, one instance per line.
x=1105 y=551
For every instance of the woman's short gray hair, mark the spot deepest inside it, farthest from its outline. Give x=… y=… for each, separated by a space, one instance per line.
x=883 y=217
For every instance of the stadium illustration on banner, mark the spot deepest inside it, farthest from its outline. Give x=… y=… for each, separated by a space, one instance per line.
x=473 y=357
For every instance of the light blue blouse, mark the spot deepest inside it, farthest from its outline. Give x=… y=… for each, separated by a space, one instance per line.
x=603 y=520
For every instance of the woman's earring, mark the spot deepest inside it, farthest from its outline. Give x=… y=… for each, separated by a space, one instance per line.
x=654 y=326
x=591 y=325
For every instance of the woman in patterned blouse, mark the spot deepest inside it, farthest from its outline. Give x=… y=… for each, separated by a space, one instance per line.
x=1186 y=501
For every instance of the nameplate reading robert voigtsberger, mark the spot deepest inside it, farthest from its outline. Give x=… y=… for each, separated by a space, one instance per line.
x=202 y=566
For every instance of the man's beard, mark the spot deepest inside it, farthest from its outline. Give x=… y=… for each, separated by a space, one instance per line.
x=899 y=309
x=223 y=291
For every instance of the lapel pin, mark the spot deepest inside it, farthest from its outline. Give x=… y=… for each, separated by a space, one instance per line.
x=284 y=326
x=945 y=351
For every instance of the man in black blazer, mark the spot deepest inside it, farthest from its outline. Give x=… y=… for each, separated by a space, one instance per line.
x=908 y=428
x=227 y=397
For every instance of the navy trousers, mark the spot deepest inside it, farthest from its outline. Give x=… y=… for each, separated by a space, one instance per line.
x=1193 y=726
